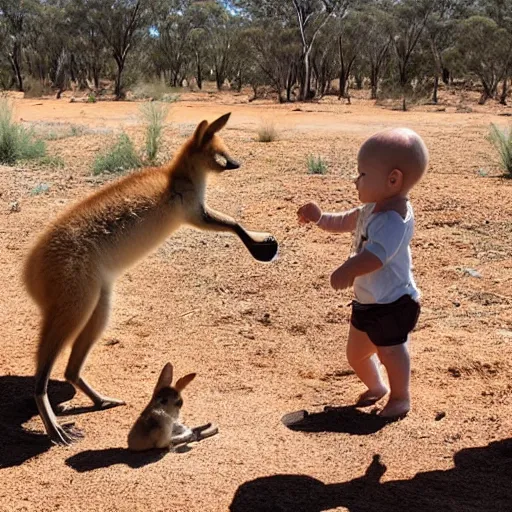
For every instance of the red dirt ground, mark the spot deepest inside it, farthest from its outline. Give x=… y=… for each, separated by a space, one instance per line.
x=267 y=339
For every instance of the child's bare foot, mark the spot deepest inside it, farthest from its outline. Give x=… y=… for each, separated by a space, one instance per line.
x=371 y=396
x=396 y=408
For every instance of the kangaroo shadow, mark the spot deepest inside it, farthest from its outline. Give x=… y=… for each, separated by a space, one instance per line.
x=480 y=481
x=90 y=460
x=347 y=419
x=17 y=406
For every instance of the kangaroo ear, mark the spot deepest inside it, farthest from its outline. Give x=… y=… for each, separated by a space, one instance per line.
x=215 y=127
x=199 y=133
x=182 y=383
x=165 y=378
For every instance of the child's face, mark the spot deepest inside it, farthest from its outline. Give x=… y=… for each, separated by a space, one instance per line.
x=372 y=182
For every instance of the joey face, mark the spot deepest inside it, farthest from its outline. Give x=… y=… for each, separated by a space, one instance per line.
x=170 y=400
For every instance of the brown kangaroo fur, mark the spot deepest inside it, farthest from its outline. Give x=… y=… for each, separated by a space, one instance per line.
x=72 y=267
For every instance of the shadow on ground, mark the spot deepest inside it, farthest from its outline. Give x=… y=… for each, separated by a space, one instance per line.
x=17 y=406
x=90 y=460
x=348 y=420
x=481 y=481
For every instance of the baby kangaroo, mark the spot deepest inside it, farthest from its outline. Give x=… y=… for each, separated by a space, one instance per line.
x=158 y=426
x=72 y=267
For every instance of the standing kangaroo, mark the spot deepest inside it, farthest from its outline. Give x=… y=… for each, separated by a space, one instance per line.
x=72 y=267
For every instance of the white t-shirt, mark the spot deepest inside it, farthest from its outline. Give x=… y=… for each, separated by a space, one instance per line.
x=387 y=235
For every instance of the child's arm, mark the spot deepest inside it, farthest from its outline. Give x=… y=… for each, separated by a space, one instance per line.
x=345 y=222
x=363 y=263
x=332 y=222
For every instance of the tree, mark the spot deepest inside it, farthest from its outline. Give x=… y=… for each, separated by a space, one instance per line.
x=409 y=20
x=352 y=34
x=275 y=52
x=482 y=49
x=312 y=15
x=122 y=24
x=377 y=43
x=15 y=15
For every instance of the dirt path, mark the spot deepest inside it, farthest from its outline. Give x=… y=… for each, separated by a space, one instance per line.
x=269 y=339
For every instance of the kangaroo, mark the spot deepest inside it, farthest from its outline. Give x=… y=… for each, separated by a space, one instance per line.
x=71 y=269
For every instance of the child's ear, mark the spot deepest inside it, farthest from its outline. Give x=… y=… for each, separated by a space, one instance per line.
x=396 y=178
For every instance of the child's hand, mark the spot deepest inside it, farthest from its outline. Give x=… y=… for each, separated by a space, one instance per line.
x=342 y=278
x=310 y=212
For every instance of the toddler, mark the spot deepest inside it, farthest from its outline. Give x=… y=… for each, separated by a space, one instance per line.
x=386 y=306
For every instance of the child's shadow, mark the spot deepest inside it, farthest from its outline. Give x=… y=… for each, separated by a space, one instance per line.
x=17 y=406
x=480 y=481
x=347 y=419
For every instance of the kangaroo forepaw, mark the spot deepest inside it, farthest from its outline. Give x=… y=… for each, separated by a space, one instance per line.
x=263 y=246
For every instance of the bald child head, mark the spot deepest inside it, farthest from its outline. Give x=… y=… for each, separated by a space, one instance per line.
x=398 y=148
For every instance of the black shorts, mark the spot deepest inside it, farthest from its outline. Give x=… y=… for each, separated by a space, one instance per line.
x=386 y=324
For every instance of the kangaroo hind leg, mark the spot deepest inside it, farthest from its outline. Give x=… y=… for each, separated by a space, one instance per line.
x=81 y=348
x=61 y=322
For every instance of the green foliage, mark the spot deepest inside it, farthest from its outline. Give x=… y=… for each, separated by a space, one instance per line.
x=52 y=161
x=502 y=141
x=316 y=165
x=154 y=114
x=118 y=158
x=17 y=142
x=41 y=188
x=482 y=49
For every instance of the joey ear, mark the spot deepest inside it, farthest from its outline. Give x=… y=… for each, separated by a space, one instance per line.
x=199 y=133
x=215 y=127
x=165 y=379
x=184 y=381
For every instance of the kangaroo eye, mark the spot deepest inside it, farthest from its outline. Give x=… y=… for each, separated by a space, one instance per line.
x=163 y=401
x=220 y=159
x=179 y=402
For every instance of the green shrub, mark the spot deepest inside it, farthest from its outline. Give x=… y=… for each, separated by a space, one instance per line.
x=154 y=115
x=316 y=165
x=118 y=158
x=16 y=141
x=502 y=141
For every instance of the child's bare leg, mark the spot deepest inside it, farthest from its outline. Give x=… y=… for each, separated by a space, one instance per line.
x=361 y=355
x=398 y=366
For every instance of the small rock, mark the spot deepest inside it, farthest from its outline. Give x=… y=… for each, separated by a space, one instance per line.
x=471 y=272
x=14 y=206
x=265 y=320
x=440 y=415
x=454 y=371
